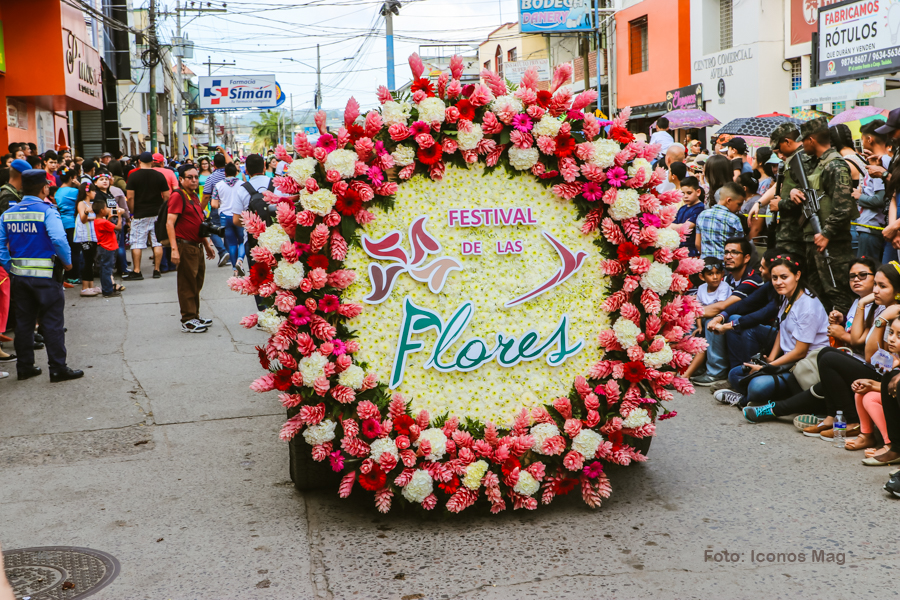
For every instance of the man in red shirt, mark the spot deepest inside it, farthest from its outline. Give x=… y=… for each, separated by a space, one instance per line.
x=183 y=228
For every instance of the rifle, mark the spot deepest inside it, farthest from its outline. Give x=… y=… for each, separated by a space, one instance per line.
x=772 y=231
x=811 y=204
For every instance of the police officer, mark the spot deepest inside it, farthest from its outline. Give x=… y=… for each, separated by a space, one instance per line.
x=34 y=233
x=785 y=140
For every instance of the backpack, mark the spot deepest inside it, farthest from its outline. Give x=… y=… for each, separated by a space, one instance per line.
x=162 y=217
x=258 y=203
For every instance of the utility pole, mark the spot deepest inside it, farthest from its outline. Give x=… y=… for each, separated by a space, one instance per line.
x=291 y=135
x=586 y=59
x=388 y=10
x=318 y=79
x=179 y=109
x=154 y=53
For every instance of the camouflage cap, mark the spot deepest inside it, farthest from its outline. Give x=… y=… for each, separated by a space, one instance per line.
x=781 y=133
x=813 y=127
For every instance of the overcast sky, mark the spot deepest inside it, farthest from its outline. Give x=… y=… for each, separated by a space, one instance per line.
x=259 y=35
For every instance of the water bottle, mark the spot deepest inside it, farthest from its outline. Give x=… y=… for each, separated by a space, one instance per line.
x=840 y=428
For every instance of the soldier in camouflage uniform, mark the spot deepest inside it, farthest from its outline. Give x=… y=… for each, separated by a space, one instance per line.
x=789 y=233
x=830 y=175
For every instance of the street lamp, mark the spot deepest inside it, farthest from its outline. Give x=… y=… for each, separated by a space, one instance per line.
x=318 y=68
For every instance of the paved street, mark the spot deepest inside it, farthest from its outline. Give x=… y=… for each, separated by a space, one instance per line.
x=163 y=458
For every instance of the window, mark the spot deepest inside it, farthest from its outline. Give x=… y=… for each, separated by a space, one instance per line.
x=864 y=102
x=726 y=39
x=487 y=65
x=838 y=107
x=796 y=80
x=511 y=55
x=498 y=60
x=637 y=31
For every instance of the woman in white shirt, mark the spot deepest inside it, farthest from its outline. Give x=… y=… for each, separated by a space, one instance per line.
x=852 y=331
x=802 y=328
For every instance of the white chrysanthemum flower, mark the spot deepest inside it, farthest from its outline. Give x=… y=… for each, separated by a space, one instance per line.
x=320 y=202
x=288 y=275
x=269 y=320
x=626 y=332
x=667 y=238
x=548 y=125
x=352 y=377
x=586 y=443
x=527 y=484
x=469 y=140
x=658 y=278
x=394 y=113
x=627 y=205
x=636 y=418
x=474 y=473
x=523 y=159
x=382 y=445
x=311 y=368
x=272 y=238
x=342 y=161
x=638 y=164
x=540 y=433
x=431 y=110
x=438 y=442
x=404 y=155
x=419 y=487
x=605 y=153
x=654 y=360
x=319 y=434
x=302 y=169
x=507 y=104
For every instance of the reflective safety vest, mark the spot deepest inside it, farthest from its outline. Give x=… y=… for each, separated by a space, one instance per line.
x=30 y=247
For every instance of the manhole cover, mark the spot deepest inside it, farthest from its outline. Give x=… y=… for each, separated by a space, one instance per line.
x=58 y=572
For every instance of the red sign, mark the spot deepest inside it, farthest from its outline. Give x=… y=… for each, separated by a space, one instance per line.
x=804 y=14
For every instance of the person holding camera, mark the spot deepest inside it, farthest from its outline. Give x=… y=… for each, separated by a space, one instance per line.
x=186 y=228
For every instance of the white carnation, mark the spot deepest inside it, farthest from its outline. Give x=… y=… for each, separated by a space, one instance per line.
x=627 y=205
x=474 y=473
x=302 y=169
x=540 y=433
x=394 y=113
x=523 y=159
x=638 y=164
x=586 y=443
x=604 y=153
x=404 y=155
x=382 y=445
x=626 y=332
x=320 y=202
x=467 y=140
x=658 y=278
x=419 y=487
x=431 y=110
x=311 y=368
x=352 y=377
x=272 y=238
x=654 y=360
x=636 y=418
x=527 y=484
x=289 y=275
x=319 y=434
x=548 y=125
x=507 y=104
x=342 y=161
x=270 y=321
x=668 y=238
x=438 y=443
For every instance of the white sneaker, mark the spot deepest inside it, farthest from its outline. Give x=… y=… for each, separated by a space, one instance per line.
x=193 y=326
x=728 y=397
x=239 y=267
x=3 y=374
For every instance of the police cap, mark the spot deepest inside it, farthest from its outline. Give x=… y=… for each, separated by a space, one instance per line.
x=20 y=165
x=780 y=134
x=813 y=127
x=33 y=177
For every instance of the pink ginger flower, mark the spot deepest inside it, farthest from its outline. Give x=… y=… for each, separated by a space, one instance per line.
x=527 y=95
x=560 y=103
x=399 y=132
x=320 y=154
x=639 y=265
x=521 y=139
x=266 y=383
x=364 y=147
x=573 y=461
x=590 y=127
x=454 y=89
x=535 y=111
x=481 y=96
x=341 y=279
x=451 y=114
x=495 y=82
x=249 y=322
x=449 y=145
x=252 y=223
x=319 y=237
x=569 y=169
x=561 y=76
x=572 y=427
x=563 y=407
x=284 y=301
x=546 y=144
x=373 y=123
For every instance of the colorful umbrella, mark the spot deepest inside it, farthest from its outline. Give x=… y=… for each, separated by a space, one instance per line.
x=752 y=141
x=810 y=114
x=690 y=119
x=858 y=114
x=755 y=126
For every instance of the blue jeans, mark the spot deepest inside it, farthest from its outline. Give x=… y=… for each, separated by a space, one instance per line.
x=107 y=264
x=216 y=240
x=234 y=239
x=745 y=343
x=871 y=244
x=716 y=359
x=121 y=258
x=763 y=388
x=890 y=253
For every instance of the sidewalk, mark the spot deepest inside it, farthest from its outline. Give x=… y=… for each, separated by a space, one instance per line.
x=160 y=455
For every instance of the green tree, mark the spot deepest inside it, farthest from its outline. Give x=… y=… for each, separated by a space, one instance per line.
x=265 y=131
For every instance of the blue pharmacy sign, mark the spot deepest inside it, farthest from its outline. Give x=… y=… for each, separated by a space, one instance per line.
x=555 y=16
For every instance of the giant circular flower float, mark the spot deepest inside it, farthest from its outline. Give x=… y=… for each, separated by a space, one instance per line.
x=474 y=295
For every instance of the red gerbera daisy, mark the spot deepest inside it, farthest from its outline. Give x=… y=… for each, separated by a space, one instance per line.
x=370 y=428
x=565 y=145
x=283 y=380
x=564 y=486
x=263 y=358
x=350 y=204
x=430 y=156
x=627 y=251
x=543 y=98
x=466 y=110
x=621 y=135
x=329 y=303
x=549 y=174
x=356 y=132
x=423 y=84
x=451 y=486
x=260 y=274
x=402 y=424
x=373 y=480
x=317 y=261
x=635 y=371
